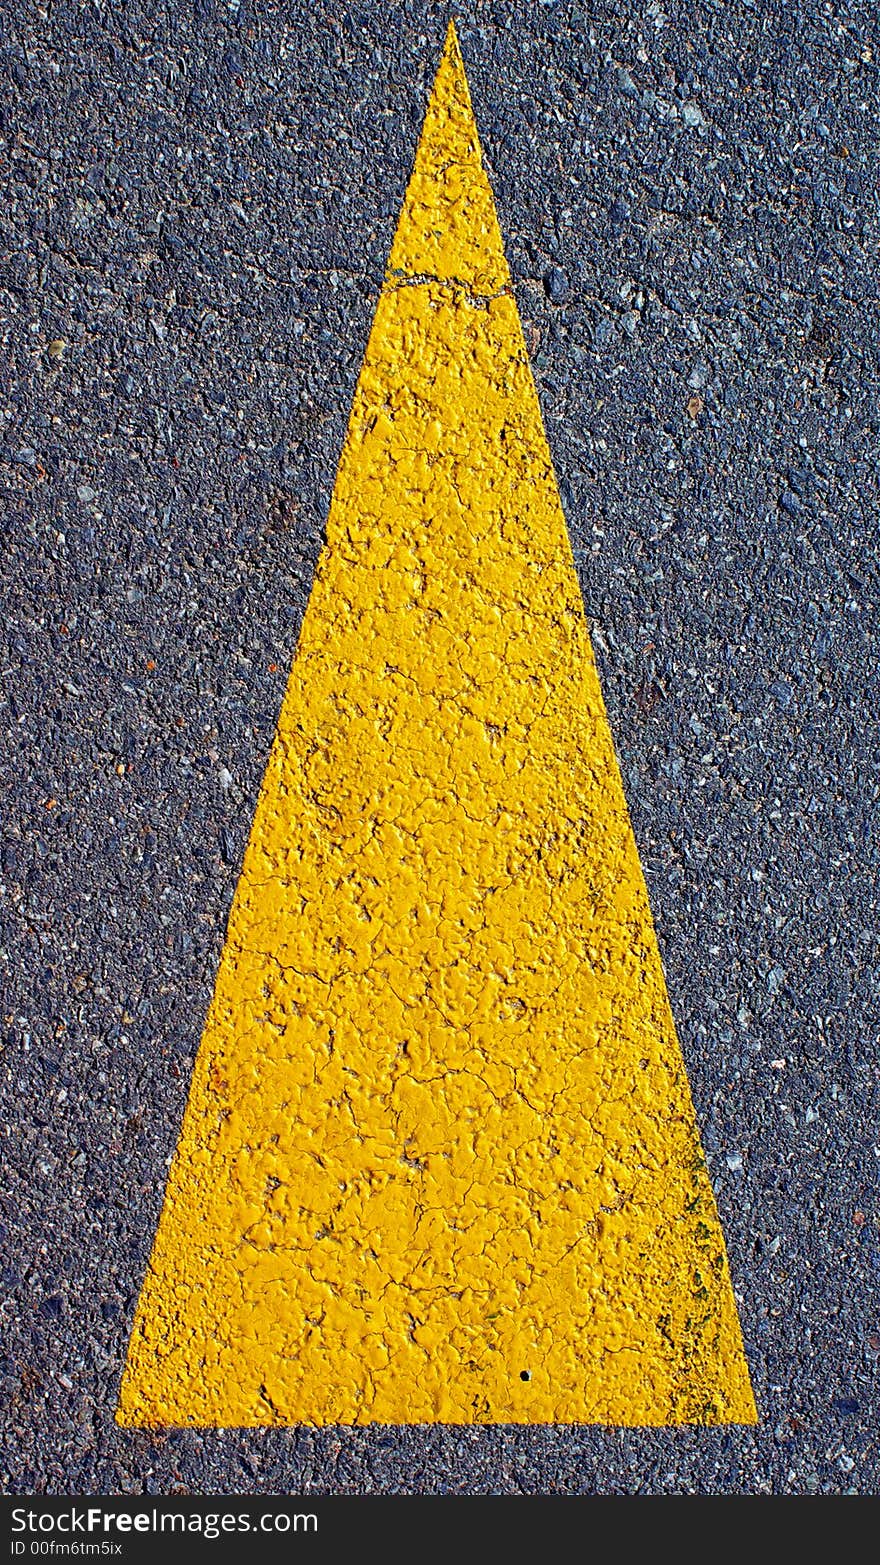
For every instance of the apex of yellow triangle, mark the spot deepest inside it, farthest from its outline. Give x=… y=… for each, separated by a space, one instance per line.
x=448 y=229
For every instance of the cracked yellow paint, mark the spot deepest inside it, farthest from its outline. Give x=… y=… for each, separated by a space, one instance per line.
x=439 y=1161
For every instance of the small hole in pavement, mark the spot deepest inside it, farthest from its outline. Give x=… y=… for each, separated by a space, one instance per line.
x=525 y=1374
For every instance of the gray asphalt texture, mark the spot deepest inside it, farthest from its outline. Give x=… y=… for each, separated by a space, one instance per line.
x=198 y=202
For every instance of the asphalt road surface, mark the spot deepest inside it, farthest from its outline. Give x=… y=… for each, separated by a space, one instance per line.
x=198 y=204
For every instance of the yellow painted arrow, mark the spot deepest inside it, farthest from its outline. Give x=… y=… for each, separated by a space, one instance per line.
x=439 y=1161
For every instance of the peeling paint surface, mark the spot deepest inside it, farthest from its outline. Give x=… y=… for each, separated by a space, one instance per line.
x=439 y=1161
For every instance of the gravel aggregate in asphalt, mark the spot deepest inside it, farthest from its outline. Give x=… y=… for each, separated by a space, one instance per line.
x=198 y=201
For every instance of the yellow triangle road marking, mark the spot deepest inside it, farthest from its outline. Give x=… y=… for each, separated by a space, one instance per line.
x=439 y=1161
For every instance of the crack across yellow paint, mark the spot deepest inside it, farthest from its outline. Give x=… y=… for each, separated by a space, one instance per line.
x=439 y=1160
